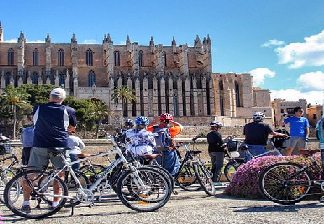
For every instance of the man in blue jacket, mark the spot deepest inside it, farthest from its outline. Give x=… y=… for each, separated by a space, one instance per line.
x=51 y=121
x=299 y=131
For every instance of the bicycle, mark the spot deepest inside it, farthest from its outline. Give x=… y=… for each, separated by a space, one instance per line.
x=288 y=183
x=193 y=170
x=238 y=153
x=7 y=163
x=141 y=189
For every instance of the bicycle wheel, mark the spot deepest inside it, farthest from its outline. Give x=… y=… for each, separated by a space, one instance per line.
x=230 y=169
x=284 y=183
x=205 y=178
x=90 y=171
x=5 y=176
x=73 y=185
x=186 y=179
x=144 y=190
x=165 y=173
x=42 y=193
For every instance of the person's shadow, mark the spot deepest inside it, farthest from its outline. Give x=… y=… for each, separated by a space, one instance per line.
x=276 y=208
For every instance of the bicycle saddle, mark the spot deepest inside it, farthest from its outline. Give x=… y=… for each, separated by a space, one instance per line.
x=195 y=152
x=58 y=150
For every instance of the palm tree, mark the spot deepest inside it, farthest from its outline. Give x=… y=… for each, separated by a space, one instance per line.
x=101 y=112
x=125 y=94
x=13 y=99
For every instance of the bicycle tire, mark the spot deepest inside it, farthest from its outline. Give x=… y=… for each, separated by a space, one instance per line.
x=205 y=178
x=37 y=198
x=230 y=166
x=186 y=178
x=5 y=176
x=155 y=184
x=284 y=183
x=165 y=172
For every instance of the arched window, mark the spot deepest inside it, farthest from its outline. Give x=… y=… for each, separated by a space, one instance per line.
x=237 y=94
x=91 y=78
x=89 y=57
x=7 y=78
x=34 y=78
x=165 y=59
x=11 y=57
x=35 y=57
x=60 y=57
x=220 y=84
x=117 y=58
x=140 y=58
x=61 y=80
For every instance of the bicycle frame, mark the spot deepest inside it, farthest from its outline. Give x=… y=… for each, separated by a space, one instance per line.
x=103 y=175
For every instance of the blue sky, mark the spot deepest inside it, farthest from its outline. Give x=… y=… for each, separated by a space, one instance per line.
x=280 y=42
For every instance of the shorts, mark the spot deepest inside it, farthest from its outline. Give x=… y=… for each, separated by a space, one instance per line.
x=297 y=142
x=39 y=158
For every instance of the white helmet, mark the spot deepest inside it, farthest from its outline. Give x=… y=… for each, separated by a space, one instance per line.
x=216 y=124
x=258 y=116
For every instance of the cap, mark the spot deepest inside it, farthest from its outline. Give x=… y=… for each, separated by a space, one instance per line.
x=59 y=93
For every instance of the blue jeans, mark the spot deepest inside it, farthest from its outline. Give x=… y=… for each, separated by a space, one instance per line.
x=76 y=166
x=255 y=150
x=170 y=161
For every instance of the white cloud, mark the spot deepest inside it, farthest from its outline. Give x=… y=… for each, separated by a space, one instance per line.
x=91 y=41
x=11 y=41
x=259 y=74
x=313 y=97
x=311 y=81
x=35 y=41
x=273 y=42
x=308 y=53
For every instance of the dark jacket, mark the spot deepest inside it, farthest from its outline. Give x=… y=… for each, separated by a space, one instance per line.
x=215 y=142
x=51 y=121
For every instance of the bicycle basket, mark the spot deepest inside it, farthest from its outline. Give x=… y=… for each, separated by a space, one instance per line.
x=232 y=146
x=5 y=148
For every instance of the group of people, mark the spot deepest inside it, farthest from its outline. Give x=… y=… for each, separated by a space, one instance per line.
x=54 y=125
x=256 y=138
x=146 y=138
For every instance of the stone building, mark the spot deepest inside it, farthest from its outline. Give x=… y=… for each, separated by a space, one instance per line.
x=177 y=79
x=281 y=106
x=314 y=113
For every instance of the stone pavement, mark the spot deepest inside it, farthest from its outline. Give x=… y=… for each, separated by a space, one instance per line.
x=188 y=207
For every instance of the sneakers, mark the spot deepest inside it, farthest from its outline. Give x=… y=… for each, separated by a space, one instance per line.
x=322 y=199
x=26 y=209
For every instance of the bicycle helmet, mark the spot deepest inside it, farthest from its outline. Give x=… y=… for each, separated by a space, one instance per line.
x=129 y=123
x=166 y=117
x=216 y=124
x=141 y=120
x=258 y=116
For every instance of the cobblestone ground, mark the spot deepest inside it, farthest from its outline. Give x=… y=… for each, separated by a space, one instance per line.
x=187 y=207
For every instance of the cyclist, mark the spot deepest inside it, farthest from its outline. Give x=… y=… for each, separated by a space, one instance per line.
x=51 y=121
x=299 y=131
x=121 y=133
x=27 y=136
x=76 y=145
x=139 y=141
x=257 y=134
x=165 y=131
x=216 y=150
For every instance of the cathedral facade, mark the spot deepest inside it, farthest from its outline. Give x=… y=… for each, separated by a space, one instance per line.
x=176 y=79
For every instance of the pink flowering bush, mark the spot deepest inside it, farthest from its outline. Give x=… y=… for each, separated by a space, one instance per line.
x=245 y=180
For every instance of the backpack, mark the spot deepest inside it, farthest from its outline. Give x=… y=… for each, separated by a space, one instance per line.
x=162 y=137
